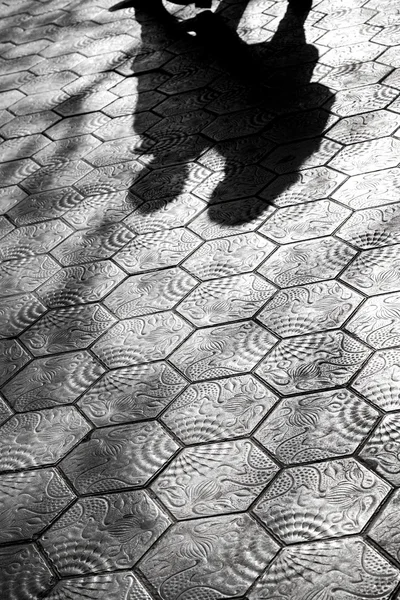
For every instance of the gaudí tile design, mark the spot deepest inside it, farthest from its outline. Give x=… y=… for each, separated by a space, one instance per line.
x=375 y=271
x=188 y=560
x=52 y=381
x=214 y=478
x=199 y=300
x=316 y=426
x=219 y=409
x=229 y=299
x=40 y=438
x=132 y=394
x=80 y=284
x=31 y=500
x=103 y=533
x=313 y=362
x=321 y=500
x=150 y=292
x=309 y=308
x=377 y=321
x=229 y=256
x=118 y=457
x=142 y=339
x=114 y=586
x=381 y=451
x=157 y=250
x=378 y=380
x=223 y=350
x=321 y=567
x=306 y=262
x=19 y=582
x=65 y=329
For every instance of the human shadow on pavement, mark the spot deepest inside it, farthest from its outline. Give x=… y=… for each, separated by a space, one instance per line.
x=257 y=118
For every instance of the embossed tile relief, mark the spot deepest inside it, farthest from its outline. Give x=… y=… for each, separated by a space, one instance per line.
x=199 y=300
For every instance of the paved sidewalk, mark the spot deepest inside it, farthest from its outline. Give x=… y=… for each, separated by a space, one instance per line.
x=200 y=303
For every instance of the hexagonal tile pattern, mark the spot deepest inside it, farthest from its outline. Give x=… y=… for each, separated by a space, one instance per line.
x=363 y=99
x=316 y=426
x=227 y=299
x=309 y=308
x=47 y=205
x=385 y=530
x=25 y=574
x=176 y=566
x=375 y=271
x=307 y=262
x=51 y=381
x=67 y=329
x=112 y=584
x=319 y=567
x=224 y=350
x=103 y=533
x=377 y=321
x=224 y=408
x=368 y=156
x=313 y=362
x=33 y=239
x=31 y=500
x=25 y=275
x=40 y=438
x=229 y=256
x=131 y=394
x=378 y=380
x=364 y=127
x=131 y=341
x=12 y=358
x=119 y=457
x=157 y=250
x=372 y=228
x=18 y=312
x=341 y=496
x=370 y=189
x=150 y=292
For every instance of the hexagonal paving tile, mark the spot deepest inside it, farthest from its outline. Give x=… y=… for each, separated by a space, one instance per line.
x=236 y=181
x=79 y=125
x=119 y=457
x=74 y=147
x=216 y=478
x=25 y=275
x=93 y=243
x=47 y=205
x=118 y=150
x=373 y=227
x=375 y=271
x=385 y=530
x=12 y=358
x=31 y=501
x=161 y=214
x=101 y=210
x=355 y=53
x=229 y=256
x=368 y=156
x=313 y=362
x=29 y=124
x=322 y=567
x=377 y=321
x=371 y=189
x=131 y=394
x=177 y=566
x=226 y=299
x=301 y=155
x=316 y=426
x=110 y=179
x=307 y=262
x=224 y=350
x=51 y=381
x=219 y=409
x=67 y=329
x=18 y=148
x=364 y=127
x=157 y=250
x=303 y=222
x=103 y=533
x=378 y=380
x=114 y=585
x=150 y=292
x=304 y=186
x=16 y=171
x=18 y=312
x=170 y=181
x=40 y=438
x=381 y=452
x=321 y=500
x=62 y=173
x=81 y=284
x=363 y=99
x=35 y=103
x=25 y=574
x=342 y=77
x=120 y=127
x=142 y=339
x=309 y=308
x=33 y=239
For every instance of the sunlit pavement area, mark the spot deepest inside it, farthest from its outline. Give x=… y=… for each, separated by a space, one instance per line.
x=200 y=302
